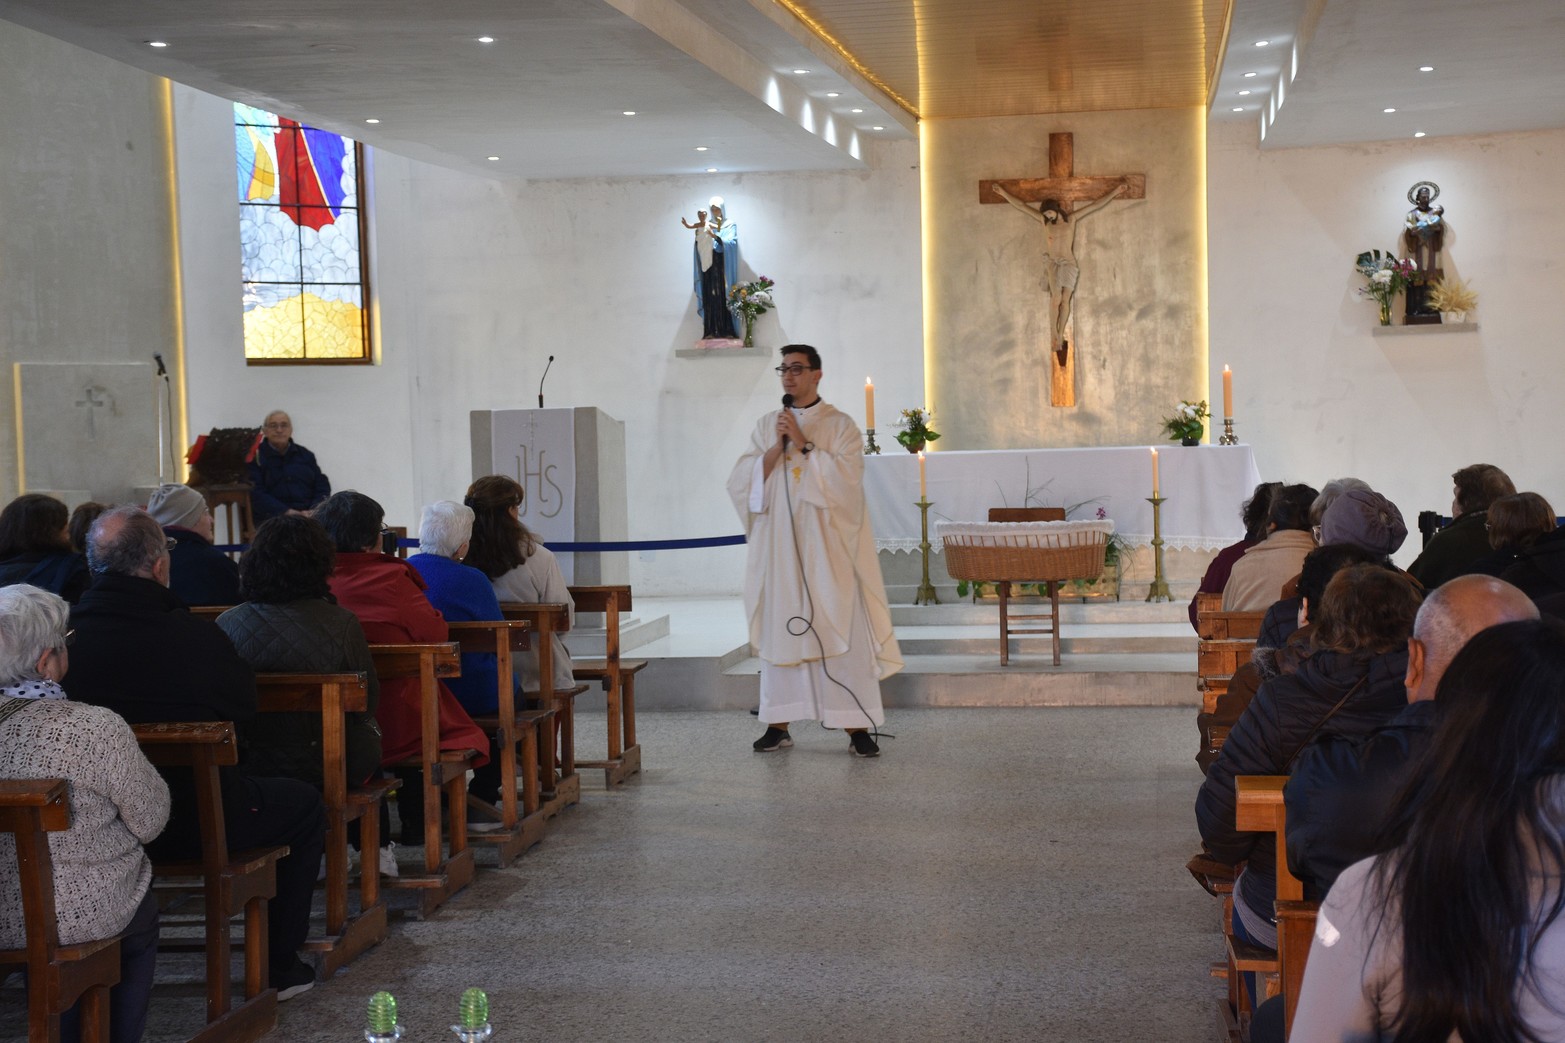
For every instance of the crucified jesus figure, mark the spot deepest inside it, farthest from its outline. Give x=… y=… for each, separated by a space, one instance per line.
x=1060 y=270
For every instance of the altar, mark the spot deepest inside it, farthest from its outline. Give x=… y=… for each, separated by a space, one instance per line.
x=1203 y=485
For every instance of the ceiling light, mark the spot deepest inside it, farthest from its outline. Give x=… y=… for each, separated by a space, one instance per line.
x=1238 y=108
x=486 y=39
x=701 y=148
x=1249 y=74
x=1388 y=110
x=855 y=110
x=156 y=43
x=833 y=94
x=877 y=128
x=494 y=159
x=1263 y=43
x=711 y=170
x=801 y=72
x=628 y=112
x=1243 y=93
x=372 y=121
x=1418 y=134
x=1426 y=68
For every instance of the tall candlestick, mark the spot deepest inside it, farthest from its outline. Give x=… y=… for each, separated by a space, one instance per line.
x=1228 y=393
x=1154 y=472
x=869 y=403
x=922 y=487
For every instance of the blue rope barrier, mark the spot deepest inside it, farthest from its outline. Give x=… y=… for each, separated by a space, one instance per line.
x=580 y=548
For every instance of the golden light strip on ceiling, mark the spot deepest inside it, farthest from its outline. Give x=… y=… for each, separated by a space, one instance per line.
x=824 y=34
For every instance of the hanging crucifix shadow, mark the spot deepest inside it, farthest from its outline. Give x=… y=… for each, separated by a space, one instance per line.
x=1064 y=199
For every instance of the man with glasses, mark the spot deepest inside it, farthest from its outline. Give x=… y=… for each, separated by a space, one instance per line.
x=813 y=590
x=140 y=653
x=284 y=477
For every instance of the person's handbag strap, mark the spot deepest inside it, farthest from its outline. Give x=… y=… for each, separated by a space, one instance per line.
x=1322 y=722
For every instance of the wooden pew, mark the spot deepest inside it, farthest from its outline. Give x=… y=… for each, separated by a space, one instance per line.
x=445 y=872
x=618 y=677
x=1260 y=809
x=516 y=739
x=1227 y=642
x=231 y=883
x=209 y=612
x=57 y=975
x=332 y=697
x=547 y=620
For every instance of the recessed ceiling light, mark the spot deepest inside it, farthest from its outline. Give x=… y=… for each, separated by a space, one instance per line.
x=1426 y=68
x=1249 y=74
x=372 y=121
x=1238 y=108
x=156 y=43
x=1388 y=110
x=1418 y=134
x=1263 y=43
x=711 y=170
x=1243 y=93
x=833 y=94
x=801 y=72
x=494 y=159
x=877 y=128
x=701 y=148
x=855 y=110
x=628 y=112
x=486 y=39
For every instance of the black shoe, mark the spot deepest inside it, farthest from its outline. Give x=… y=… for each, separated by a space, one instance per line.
x=861 y=745
x=774 y=739
x=297 y=977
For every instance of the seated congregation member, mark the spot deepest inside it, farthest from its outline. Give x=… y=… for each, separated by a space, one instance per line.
x=284 y=476
x=140 y=653
x=1456 y=932
x=289 y=623
x=35 y=547
x=1253 y=514
x=81 y=520
x=1350 y=682
x=1515 y=523
x=387 y=596
x=1539 y=570
x=1453 y=549
x=199 y=573
x=1258 y=578
x=519 y=566
x=102 y=877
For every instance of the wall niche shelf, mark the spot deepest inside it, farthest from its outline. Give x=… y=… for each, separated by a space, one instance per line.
x=1433 y=327
x=722 y=353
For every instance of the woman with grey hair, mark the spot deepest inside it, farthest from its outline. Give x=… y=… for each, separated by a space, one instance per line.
x=102 y=877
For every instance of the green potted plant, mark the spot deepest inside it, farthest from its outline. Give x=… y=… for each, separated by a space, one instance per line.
x=1188 y=422
x=916 y=430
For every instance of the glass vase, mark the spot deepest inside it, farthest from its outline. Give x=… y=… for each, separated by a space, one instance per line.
x=749 y=331
x=1385 y=313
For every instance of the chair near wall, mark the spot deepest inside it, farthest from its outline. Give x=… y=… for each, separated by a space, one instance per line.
x=231 y=503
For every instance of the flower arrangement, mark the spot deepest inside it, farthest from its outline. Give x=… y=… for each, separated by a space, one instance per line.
x=1188 y=421
x=1387 y=276
x=752 y=300
x=915 y=429
x=1450 y=295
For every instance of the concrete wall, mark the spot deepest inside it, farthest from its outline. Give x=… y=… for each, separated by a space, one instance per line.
x=477 y=282
x=1138 y=310
x=86 y=261
x=1316 y=392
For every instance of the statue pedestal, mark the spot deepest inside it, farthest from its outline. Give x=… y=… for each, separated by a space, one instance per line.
x=571 y=465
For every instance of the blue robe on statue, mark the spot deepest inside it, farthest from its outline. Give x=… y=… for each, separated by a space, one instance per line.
x=717 y=318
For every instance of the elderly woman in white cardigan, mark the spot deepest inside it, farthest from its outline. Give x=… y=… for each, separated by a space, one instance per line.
x=102 y=878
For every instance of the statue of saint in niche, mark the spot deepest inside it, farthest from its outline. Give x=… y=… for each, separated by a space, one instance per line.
x=716 y=266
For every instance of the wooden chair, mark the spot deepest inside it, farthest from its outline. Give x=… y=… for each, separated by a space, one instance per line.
x=446 y=870
x=618 y=677
x=231 y=502
x=57 y=975
x=231 y=883
x=1260 y=809
x=332 y=697
x=547 y=620
x=516 y=740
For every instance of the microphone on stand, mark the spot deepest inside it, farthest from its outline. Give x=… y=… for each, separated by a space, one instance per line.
x=542 y=379
x=787 y=404
x=162 y=370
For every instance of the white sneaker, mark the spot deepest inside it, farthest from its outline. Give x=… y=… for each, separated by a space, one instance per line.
x=388 y=861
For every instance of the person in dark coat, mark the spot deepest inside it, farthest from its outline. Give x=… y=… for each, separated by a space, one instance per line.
x=1341 y=787
x=199 y=573
x=1539 y=571
x=284 y=476
x=1350 y=683
x=1253 y=513
x=1453 y=549
x=140 y=653
x=1515 y=523
x=35 y=547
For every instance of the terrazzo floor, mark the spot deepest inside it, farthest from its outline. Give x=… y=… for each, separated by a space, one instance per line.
x=998 y=874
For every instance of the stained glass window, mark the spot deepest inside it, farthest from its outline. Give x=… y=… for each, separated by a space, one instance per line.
x=301 y=232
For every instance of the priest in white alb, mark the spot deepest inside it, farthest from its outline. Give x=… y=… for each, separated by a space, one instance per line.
x=813 y=590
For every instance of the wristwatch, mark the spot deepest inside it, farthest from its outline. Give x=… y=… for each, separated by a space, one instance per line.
x=808 y=448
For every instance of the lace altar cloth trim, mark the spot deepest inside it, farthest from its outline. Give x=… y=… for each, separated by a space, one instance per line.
x=1133 y=539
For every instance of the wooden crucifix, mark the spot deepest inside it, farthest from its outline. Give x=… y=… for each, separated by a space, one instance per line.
x=1064 y=199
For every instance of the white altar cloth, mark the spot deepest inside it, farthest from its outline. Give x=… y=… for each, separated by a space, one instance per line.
x=1203 y=485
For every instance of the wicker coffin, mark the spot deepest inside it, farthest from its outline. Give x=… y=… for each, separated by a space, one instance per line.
x=1025 y=551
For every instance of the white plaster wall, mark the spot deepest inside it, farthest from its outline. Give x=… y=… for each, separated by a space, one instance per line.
x=1320 y=396
x=85 y=255
x=478 y=281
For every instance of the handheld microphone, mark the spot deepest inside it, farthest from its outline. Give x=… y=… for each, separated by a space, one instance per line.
x=542 y=379
x=162 y=371
x=787 y=403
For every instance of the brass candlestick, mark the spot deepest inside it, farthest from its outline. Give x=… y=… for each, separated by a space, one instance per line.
x=926 y=589
x=870 y=448
x=1159 y=589
x=1228 y=437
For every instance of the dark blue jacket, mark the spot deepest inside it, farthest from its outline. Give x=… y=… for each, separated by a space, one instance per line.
x=59 y=572
x=463 y=594
x=199 y=573
x=281 y=482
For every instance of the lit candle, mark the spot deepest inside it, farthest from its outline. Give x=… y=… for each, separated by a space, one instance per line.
x=923 y=487
x=1228 y=393
x=1154 y=474
x=869 y=403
